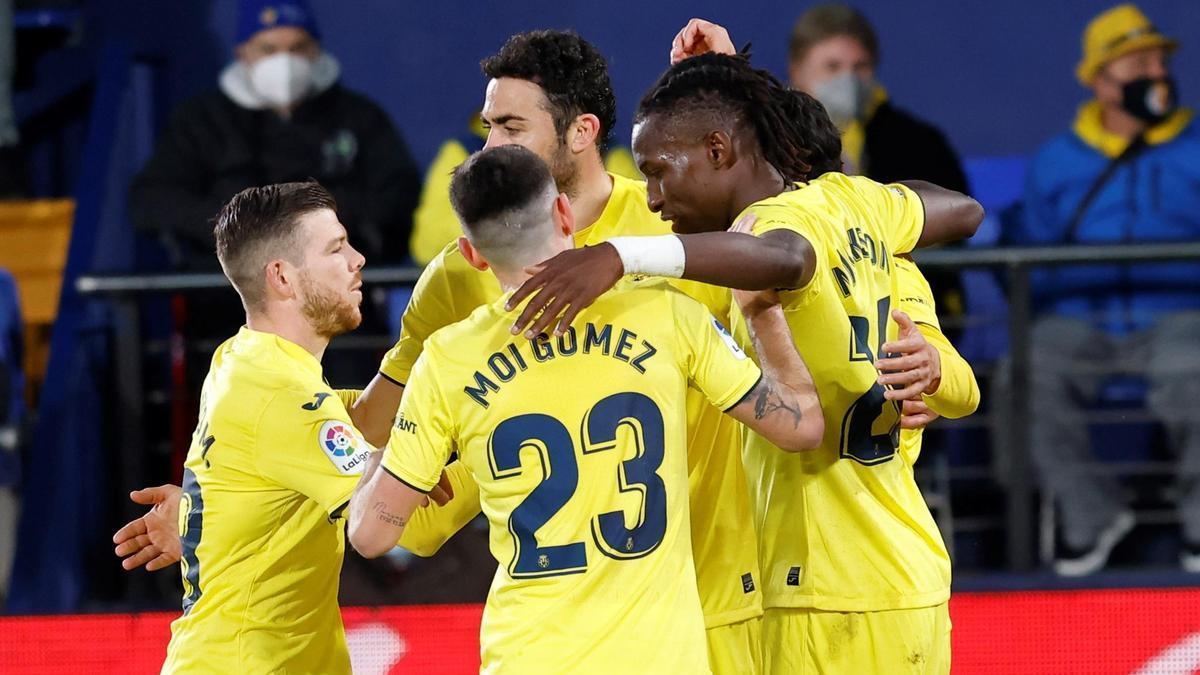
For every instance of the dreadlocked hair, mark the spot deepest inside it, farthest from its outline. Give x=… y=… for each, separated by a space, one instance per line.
x=792 y=128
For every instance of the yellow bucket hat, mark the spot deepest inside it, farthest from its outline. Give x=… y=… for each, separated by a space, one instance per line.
x=1117 y=32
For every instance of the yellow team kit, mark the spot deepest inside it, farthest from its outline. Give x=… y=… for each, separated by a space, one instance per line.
x=577 y=445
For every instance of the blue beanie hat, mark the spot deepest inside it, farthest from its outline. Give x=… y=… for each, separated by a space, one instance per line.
x=256 y=15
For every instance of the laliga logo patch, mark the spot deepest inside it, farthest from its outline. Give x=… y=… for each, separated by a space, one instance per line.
x=727 y=339
x=342 y=446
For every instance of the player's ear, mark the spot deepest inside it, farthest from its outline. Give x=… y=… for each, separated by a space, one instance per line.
x=583 y=132
x=471 y=254
x=280 y=279
x=564 y=217
x=719 y=150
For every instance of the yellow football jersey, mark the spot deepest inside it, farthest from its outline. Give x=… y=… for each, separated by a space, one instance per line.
x=578 y=446
x=271 y=467
x=844 y=527
x=722 y=523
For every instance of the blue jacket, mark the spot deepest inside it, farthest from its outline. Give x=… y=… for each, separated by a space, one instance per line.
x=1153 y=197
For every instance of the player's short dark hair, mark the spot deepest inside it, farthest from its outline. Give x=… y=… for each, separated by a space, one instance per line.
x=794 y=133
x=259 y=224
x=501 y=195
x=822 y=22
x=570 y=70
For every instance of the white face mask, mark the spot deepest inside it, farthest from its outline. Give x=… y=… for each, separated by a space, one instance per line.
x=282 y=79
x=844 y=97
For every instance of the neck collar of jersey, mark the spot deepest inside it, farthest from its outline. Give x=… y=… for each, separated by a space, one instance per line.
x=258 y=340
x=1089 y=126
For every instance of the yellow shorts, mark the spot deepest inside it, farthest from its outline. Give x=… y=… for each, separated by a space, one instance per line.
x=807 y=642
x=736 y=648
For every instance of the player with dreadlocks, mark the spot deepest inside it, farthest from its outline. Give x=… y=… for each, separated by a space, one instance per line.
x=855 y=578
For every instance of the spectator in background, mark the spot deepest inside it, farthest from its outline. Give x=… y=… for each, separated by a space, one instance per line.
x=833 y=56
x=279 y=115
x=435 y=224
x=1126 y=172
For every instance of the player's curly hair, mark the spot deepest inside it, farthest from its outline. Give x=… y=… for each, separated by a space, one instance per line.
x=793 y=130
x=569 y=69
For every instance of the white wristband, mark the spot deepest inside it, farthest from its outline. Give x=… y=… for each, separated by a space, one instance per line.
x=661 y=256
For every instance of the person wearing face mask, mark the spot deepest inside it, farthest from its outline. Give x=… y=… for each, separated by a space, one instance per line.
x=833 y=56
x=279 y=114
x=1128 y=171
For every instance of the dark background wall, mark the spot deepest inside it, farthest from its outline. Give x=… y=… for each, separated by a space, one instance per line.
x=996 y=76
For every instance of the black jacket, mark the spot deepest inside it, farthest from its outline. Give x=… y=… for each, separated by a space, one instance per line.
x=898 y=146
x=214 y=148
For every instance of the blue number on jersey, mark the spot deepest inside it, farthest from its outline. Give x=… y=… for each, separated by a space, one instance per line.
x=859 y=442
x=193 y=506
x=639 y=474
x=560 y=478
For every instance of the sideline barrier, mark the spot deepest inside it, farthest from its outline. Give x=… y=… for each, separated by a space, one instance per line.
x=1099 y=632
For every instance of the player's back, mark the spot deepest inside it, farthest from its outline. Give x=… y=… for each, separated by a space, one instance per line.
x=578 y=445
x=261 y=550
x=843 y=527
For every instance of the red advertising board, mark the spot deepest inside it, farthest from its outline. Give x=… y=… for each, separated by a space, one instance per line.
x=1093 y=632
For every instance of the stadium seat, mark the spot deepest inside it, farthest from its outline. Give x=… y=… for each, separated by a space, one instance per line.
x=36 y=235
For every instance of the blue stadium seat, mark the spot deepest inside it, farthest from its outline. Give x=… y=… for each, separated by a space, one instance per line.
x=12 y=378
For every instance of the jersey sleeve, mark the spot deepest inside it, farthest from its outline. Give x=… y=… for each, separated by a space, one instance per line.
x=958 y=394
x=430 y=308
x=713 y=361
x=422 y=436
x=901 y=212
x=318 y=454
x=432 y=526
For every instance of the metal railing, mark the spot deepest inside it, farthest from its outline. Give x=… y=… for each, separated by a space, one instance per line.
x=1019 y=518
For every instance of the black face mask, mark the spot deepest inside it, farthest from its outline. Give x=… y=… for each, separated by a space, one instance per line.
x=1151 y=100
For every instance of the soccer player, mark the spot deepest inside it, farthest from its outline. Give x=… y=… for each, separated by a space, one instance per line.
x=550 y=92
x=852 y=582
x=577 y=443
x=274 y=459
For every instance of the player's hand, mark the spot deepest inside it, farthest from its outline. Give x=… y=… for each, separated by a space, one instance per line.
x=914 y=414
x=913 y=367
x=564 y=285
x=442 y=493
x=700 y=37
x=153 y=539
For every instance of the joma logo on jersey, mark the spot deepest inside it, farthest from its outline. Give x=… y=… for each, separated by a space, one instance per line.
x=318 y=399
x=406 y=425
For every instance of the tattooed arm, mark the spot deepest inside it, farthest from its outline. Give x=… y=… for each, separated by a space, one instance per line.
x=379 y=510
x=783 y=407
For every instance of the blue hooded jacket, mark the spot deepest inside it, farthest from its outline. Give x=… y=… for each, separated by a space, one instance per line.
x=1152 y=197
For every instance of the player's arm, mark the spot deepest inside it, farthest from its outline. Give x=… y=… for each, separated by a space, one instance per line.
x=397 y=480
x=433 y=525
x=380 y=508
x=570 y=281
x=783 y=406
x=949 y=215
x=375 y=409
